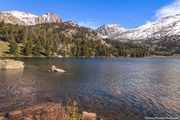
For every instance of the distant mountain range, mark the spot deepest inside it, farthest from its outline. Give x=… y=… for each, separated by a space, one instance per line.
x=159 y=37
x=168 y=26
x=24 y=18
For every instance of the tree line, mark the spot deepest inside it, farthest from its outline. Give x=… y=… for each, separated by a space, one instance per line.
x=128 y=49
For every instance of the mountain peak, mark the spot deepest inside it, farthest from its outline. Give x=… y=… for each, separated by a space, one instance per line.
x=107 y=31
x=113 y=25
x=51 y=13
x=20 y=14
x=26 y=18
x=167 y=26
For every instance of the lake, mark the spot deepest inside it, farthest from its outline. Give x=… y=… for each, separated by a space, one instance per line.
x=114 y=88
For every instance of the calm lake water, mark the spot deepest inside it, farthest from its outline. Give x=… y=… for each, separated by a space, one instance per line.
x=114 y=88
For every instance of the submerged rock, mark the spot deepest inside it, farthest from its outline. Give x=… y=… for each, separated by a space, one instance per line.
x=3 y=118
x=14 y=113
x=55 y=69
x=9 y=64
x=89 y=116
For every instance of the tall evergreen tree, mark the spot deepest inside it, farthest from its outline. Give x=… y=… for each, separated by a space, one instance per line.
x=13 y=47
x=48 y=47
x=28 y=48
x=37 y=48
x=54 y=47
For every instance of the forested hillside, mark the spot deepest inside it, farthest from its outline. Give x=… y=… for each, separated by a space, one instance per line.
x=64 y=39
x=70 y=40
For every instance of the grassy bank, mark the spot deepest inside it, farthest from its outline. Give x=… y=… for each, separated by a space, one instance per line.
x=172 y=56
x=4 y=48
x=5 y=55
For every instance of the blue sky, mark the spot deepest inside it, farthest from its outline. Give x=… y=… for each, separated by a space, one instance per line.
x=93 y=13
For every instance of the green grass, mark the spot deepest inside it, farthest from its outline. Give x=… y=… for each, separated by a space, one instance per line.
x=4 y=47
x=158 y=56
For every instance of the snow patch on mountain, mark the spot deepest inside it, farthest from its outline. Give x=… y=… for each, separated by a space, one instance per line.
x=167 y=26
x=25 y=18
x=111 y=30
x=20 y=15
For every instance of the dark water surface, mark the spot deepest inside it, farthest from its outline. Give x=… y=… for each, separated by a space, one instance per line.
x=114 y=88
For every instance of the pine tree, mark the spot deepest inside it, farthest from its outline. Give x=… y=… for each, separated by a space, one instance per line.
x=48 y=47
x=73 y=51
x=28 y=48
x=37 y=48
x=13 y=47
x=78 y=53
x=54 y=47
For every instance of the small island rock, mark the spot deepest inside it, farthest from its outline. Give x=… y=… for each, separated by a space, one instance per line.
x=55 y=69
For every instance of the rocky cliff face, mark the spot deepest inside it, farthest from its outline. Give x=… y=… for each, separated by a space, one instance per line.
x=48 y=18
x=24 y=18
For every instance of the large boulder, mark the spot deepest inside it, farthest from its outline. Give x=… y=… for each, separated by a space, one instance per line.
x=89 y=116
x=9 y=64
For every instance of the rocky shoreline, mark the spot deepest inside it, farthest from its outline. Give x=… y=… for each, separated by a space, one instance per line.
x=44 y=111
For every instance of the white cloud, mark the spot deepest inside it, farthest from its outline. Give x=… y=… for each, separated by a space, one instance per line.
x=90 y=24
x=171 y=9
